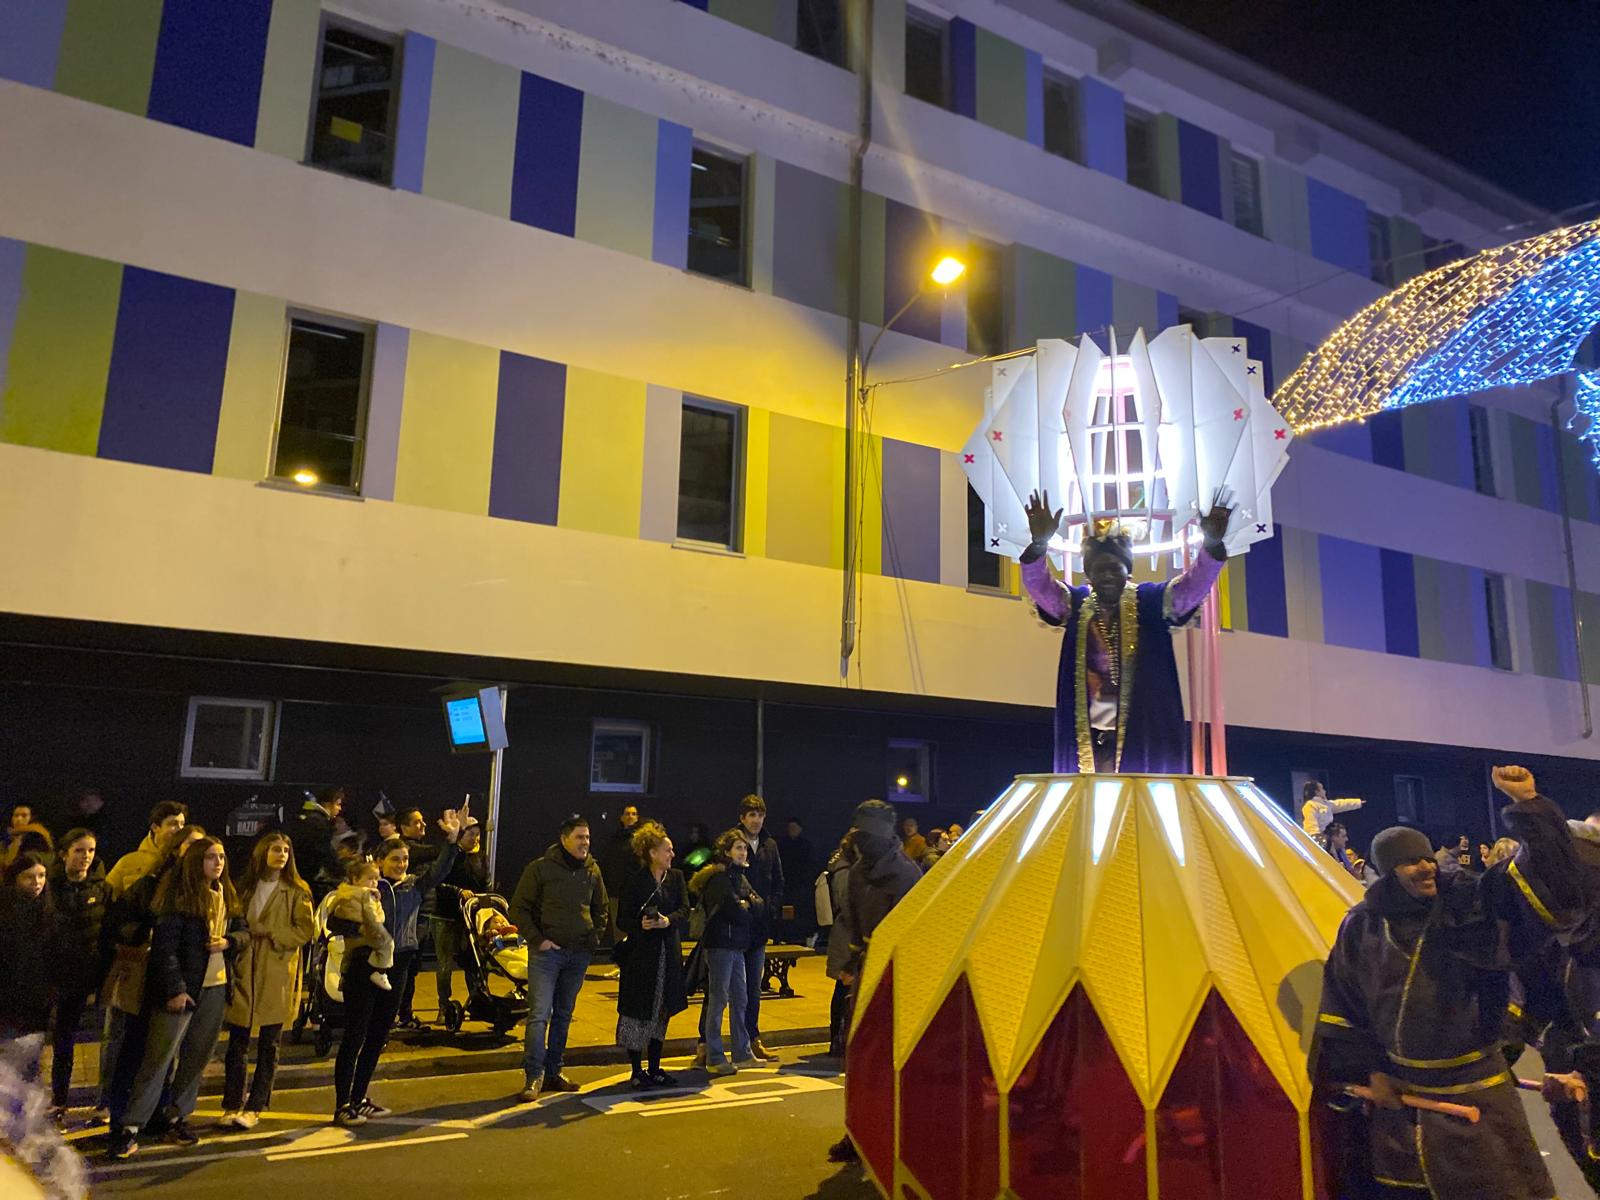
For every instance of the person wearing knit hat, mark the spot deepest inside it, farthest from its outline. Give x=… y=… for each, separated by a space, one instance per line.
x=1118 y=707
x=1415 y=992
x=881 y=878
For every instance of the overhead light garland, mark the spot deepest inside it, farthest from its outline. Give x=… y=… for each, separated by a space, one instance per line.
x=1512 y=315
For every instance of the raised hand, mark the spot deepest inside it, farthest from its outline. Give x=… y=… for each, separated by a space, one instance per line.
x=1042 y=523
x=1214 y=525
x=1516 y=782
x=450 y=823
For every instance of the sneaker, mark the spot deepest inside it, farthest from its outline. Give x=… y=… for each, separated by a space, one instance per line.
x=370 y=1109
x=843 y=1151
x=700 y=1055
x=659 y=1078
x=381 y=981
x=246 y=1120
x=759 y=1050
x=100 y=1116
x=124 y=1144
x=639 y=1081
x=179 y=1134
x=721 y=1068
x=747 y=1060
x=559 y=1083
x=530 y=1091
x=58 y=1116
x=349 y=1118
x=230 y=1119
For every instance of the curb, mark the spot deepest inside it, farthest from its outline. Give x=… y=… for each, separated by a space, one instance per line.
x=508 y=1058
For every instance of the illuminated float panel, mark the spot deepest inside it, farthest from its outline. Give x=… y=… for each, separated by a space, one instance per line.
x=1104 y=991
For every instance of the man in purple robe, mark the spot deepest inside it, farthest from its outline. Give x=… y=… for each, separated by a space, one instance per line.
x=1118 y=707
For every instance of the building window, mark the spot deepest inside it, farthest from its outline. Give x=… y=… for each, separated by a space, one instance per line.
x=717 y=215
x=1380 y=249
x=1436 y=252
x=1196 y=320
x=986 y=316
x=1410 y=799
x=1062 y=117
x=909 y=781
x=619 y=756
x=1244 y=173
x=228 y=739
x=322 y=422
x=819 y=30
x=1143 y=159
x=1494 y=603
x=1482 y=449
x=352 y=123
x=983 y=568
x=710 y=462
x=927 y=58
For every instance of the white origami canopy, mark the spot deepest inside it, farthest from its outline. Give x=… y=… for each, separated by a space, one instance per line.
x=1144 y=437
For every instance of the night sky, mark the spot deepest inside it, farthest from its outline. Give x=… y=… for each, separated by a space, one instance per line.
x=1507 y=88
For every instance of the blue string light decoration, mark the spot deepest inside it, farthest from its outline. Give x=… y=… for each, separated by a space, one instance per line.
x=1512 y=315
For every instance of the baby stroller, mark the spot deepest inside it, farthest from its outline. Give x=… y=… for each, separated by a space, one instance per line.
x=494 y=995
x=321 y=1002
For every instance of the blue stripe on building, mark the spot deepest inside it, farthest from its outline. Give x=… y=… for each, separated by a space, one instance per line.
x=209 y=60
x=544 y=176
x=1399 y=603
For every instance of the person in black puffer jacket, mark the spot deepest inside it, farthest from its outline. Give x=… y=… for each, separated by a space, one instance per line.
x=26 y=921
x=470 y=874
x=186 y=989
x=78 y=951
x=732 y=910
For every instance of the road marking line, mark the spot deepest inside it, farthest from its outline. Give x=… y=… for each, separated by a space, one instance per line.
x=681 y=1109
x=354 y=1147
x=327 y=1119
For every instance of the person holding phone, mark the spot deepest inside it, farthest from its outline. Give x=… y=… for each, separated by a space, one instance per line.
x=186 y=990
x=652 y=912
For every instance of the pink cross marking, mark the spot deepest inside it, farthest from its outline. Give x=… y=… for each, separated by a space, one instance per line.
x=969 y=458
x=1281 y=434
x=998 y=436
x=1238 y=414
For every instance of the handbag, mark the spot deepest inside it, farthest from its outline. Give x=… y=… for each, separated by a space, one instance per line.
x=695 y=970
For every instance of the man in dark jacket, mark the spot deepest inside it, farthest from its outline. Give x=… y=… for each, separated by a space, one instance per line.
x=765 y=874
x=469 y=874
x=799 y=873
x=414 y=829
x=560 y=907
x=311 y=834
x=880 y=879
x=617 y=863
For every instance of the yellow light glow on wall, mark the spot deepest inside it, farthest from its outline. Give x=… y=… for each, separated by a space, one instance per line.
x=306 y=477
x=947 y=270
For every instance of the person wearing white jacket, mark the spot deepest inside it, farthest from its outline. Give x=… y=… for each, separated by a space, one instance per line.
x=1318 y=810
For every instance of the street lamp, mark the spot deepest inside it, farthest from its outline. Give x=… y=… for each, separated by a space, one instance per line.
x=946 y=271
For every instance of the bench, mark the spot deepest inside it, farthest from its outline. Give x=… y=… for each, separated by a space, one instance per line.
x=781 y=956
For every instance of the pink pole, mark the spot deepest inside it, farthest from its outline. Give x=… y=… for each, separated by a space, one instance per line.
x=1219 y=721
x=1195 y=646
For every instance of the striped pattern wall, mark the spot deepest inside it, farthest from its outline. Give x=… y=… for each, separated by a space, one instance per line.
x=134 y=365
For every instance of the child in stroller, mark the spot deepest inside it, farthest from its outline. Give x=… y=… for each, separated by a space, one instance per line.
x=493 y=951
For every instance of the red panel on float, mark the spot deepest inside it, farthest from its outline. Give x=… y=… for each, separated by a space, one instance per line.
x=1077 y=1127
x=1224 y=1128
x=950 y=1106
x=869 y=1082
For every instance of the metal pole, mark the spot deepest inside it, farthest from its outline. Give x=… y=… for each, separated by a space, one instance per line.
x=496 y=776
x=853 y=368
x=1194 y=643
x=1219 y=720
x=761 y=745
x=1572 y=561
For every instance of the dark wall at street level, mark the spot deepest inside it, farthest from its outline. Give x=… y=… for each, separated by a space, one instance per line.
x=111 y=718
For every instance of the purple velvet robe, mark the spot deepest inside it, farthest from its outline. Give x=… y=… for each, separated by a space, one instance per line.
x=1154 y=742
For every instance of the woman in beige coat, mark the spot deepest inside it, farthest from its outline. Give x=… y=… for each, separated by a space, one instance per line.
x=276 y=912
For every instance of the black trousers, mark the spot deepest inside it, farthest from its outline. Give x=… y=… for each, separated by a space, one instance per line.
x=233 y=1098
x=70 y=1007
x=369 y=1014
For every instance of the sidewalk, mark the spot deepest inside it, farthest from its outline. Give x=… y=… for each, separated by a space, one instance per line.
x=798 y=1020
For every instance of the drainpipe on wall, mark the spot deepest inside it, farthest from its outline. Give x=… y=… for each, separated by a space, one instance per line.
x=852 y=387
x=1572 y=562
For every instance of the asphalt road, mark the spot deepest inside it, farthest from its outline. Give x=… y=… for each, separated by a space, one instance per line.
x=762 y=1133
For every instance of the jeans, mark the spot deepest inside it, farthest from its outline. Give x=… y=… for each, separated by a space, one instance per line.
x=755 y=965
x=369 y=1014
x=190 y=1037
x=125 y=1039
x=838 y=1015
x=447 y=935
x=70 y=1008
x=409 y=989
x=725 y=989
x=554 y=980
x=266 y=1067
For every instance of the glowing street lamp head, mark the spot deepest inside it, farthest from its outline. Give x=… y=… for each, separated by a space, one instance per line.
x=947 y=270
x=305 y=477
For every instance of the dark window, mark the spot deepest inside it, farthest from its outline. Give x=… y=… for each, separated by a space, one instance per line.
x=619 y=756
x=927 y=58
x=1143 y=168
x=985 y=299
x=1410 y=803
x=709 y=458
x=352 y=125
x=1436 y=252
x=323 y=419
x=1245 y=176
x=983 y=568
x=819 y=30
x=1196 y=320
x=1494 y=603
x=228 y=739
x=909 y=779
x=716 y=215
x=1380 y=249
x=1062 y=117
x=1482 y=449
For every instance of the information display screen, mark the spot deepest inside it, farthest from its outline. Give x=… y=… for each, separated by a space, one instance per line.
x=465 y=716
